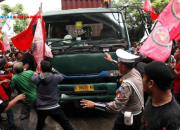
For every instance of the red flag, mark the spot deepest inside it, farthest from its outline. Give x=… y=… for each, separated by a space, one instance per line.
x=157 y=45
x=38 y=44
x=44 y=34
x=170 y=18
x=148 y=7
x=177 y=37
x=24 y=39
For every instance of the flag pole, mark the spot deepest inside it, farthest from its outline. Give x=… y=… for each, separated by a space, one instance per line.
x=40 y=14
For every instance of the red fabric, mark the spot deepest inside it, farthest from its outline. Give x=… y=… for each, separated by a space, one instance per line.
x=6 y=76
x=157 y=45
x=176 y=87
x=1 y=44
x=177 y=37
x=3 y=94
x=148 y=7
x=178 y=51
x=24 y=39
x=170 y=18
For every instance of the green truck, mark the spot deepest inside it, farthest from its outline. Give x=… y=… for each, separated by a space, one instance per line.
x=78 y=39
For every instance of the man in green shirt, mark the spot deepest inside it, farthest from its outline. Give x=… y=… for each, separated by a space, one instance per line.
x=22 y=81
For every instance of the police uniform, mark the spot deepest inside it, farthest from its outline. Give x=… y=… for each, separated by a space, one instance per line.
x=127 y=99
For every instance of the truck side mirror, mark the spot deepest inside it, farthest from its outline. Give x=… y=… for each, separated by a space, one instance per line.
x=132 y=17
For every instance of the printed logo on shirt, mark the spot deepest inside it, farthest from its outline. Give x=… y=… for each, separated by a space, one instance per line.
x=164 y=128
x=119 y=92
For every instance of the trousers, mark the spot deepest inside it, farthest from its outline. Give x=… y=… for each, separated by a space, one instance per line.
x=25 y=114
x=57 y=114
x=119 y=123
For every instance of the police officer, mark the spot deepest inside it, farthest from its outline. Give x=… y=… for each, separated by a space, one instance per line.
x=129 y=100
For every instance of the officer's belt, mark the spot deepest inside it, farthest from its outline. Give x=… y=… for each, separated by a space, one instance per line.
x=134 y=112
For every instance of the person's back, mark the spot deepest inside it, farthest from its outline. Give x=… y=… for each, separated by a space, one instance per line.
x=47 y=84
x=22 y=80
x=25 y=85
x=47 y=101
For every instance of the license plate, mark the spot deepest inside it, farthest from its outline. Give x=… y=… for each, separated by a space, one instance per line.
x=84 y=88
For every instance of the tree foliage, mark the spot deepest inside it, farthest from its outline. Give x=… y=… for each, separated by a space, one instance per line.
x=136 y=28
x=19 y=25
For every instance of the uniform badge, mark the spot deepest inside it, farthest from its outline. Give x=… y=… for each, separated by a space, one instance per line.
x=119 y=92
x=120 y=80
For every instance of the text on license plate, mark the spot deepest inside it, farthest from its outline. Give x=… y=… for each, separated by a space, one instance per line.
x=84 y=88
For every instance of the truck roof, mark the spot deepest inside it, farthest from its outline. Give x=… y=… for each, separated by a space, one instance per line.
x=78 y=11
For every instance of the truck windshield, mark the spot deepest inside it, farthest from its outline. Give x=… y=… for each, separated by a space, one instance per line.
x=71 y=28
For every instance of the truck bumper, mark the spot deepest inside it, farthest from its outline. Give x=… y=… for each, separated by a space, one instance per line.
x=102 y=91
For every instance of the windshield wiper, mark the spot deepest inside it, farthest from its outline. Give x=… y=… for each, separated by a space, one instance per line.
x=100 y=42
x=70 y=46
x=74 y=44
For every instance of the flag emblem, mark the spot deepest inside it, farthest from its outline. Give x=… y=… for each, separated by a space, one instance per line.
x=160 y=36
x=175 y=9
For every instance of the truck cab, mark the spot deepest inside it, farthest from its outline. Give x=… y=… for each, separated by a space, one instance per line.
x=78 y=39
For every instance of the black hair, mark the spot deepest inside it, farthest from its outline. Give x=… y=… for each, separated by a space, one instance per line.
x=46 y=66
x=11 y=54
x=161 y=87
x=16 y=54
x=128 y=65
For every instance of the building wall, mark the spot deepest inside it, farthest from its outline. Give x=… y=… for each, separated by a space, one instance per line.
x=75 y=4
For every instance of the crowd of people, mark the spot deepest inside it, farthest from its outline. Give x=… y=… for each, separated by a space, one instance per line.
x=148 y=97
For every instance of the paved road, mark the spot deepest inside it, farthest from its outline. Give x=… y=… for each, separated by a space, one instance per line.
x=81 y=119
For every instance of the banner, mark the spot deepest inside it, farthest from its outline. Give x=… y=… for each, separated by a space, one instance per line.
x=8 y=28
x=170 y=18
x=6 y=43
x=157 y=45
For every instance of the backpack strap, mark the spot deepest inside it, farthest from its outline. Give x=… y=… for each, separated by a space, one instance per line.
x=136 y=90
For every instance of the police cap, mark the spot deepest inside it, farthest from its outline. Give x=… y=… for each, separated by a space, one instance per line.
x=160 y=72
x=125 y=56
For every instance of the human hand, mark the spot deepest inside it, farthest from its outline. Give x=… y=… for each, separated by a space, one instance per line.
x=171 y=65
x=21 y=96
x=87 y=103
x=26 y=66
x=108 y=57
x=8 y=69
x=6 y=81
x=36 y=73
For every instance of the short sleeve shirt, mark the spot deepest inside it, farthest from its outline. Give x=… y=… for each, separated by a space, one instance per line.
x=176 y=87
x=24 y=84
x=165 y=117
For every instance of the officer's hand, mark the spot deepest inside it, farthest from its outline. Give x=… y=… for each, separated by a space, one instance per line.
x=87 y=104
x=108 y=57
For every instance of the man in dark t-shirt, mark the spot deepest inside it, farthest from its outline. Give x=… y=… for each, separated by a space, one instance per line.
x=163 y=112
